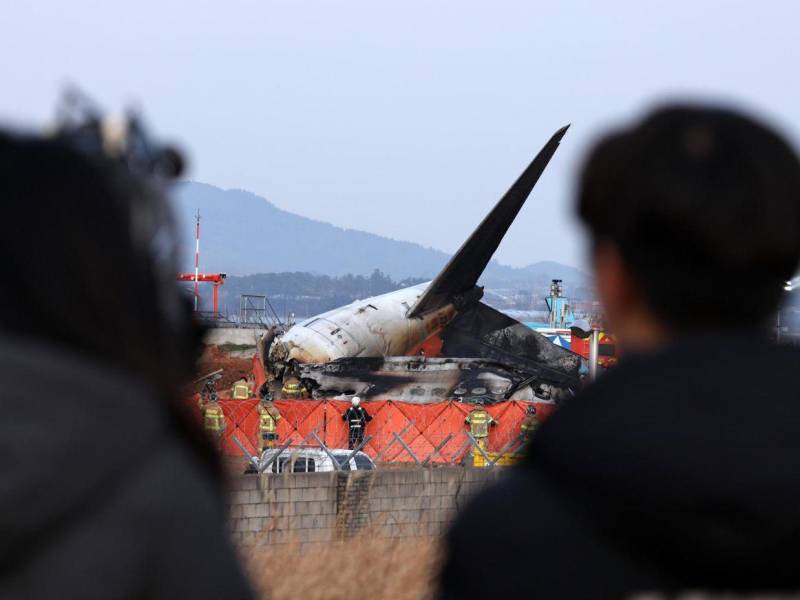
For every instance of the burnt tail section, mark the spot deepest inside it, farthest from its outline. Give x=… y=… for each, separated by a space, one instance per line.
x=483 y=332
x=463 y=270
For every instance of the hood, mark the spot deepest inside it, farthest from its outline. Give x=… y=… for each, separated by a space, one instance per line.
x=71 y=430
x=689 y=456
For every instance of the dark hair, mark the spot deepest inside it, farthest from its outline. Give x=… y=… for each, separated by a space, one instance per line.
x=704 y=207
x=89 y=261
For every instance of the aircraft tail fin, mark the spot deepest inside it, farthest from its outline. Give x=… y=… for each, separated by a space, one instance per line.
x=462 y=271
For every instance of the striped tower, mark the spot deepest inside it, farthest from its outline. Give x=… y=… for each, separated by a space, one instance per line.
x=197 y=263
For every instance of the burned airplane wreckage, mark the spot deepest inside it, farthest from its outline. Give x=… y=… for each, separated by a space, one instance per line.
x=434 y=341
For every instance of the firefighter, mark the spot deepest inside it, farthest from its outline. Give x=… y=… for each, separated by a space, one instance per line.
x=240 y=390
x=211 y=411
x=530 y=423
x=268 y=416
x=357 y=419
x=292 y=389
x=479 y=421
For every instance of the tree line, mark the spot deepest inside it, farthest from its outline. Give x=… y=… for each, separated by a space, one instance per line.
x=303 y=294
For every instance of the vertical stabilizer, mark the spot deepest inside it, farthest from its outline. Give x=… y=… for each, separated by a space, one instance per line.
x=465 y=267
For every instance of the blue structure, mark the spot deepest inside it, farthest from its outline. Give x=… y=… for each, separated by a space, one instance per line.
x=561 y=315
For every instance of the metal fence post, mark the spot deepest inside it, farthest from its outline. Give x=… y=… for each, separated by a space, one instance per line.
x=506 y=448
x=336 y=464
x=467 y=443
x=286 y=444
x=275 y=456
x=436 y=450
x=392 y=441
x=410 y=452
x=478 y=446
x=251 y=459
x=357 y=448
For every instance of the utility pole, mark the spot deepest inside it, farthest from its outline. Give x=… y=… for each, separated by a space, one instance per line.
x=594 y=352
x=197 y=263
x=584 y=329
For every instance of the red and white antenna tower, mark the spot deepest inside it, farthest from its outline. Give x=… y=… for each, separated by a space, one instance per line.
x=197 y=263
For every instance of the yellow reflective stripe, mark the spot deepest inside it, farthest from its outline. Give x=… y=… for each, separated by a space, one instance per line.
x=213 y=420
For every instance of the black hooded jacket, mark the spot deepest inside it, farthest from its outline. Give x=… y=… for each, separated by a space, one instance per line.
x=677 y=470
x=100 y=498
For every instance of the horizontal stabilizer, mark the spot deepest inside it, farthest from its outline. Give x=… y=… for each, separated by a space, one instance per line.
x=465 y=267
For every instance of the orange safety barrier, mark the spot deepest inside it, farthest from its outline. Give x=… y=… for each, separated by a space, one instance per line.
x=423 y=427
x=238 y=420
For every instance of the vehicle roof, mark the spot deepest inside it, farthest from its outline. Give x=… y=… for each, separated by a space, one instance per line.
x=313 y=451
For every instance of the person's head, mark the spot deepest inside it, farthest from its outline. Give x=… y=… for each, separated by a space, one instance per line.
x=355 y=401
x=694 y=218
x=479 y=401
x=89 y=255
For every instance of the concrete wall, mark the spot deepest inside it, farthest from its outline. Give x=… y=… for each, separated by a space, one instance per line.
x=236 y=336
x=322 y=507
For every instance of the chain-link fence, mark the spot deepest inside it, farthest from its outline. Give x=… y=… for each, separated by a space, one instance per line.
x=398 y=432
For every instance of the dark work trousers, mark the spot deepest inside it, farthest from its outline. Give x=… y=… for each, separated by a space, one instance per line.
x=356 y=437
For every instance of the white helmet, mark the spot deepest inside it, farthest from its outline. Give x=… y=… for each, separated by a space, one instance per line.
x=355 y=400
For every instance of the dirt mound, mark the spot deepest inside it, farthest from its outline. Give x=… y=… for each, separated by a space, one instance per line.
x=233 y=367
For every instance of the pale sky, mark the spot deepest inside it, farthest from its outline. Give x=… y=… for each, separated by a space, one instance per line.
x=407 y=119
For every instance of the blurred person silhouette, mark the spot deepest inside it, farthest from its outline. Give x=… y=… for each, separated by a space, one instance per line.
x=110 y=489
x=678 y=469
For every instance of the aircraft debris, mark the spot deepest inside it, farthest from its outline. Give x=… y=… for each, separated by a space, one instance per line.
x=370 y=347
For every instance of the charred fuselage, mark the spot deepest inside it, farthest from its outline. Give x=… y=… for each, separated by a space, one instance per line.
x=334 y=353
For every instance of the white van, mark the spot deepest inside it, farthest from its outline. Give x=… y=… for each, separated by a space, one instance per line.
x=314 y=460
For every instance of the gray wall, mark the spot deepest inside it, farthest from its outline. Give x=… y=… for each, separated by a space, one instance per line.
x=237 y=336
x=322 y=507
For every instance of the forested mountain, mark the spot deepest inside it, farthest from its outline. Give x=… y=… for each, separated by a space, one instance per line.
x=306 y=267
x=244 y=234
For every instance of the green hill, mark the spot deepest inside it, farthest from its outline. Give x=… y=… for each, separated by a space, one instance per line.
x=244 y=234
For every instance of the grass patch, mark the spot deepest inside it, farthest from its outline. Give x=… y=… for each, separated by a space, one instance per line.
x=366 y=566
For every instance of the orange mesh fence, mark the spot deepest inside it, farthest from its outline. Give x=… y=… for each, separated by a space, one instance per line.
x=388 y=421
x=296 y=420
x=237 y=423
x=423 y=427
x=508 y=416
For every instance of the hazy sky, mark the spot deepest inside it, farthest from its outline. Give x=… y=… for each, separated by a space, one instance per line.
x=408 y=119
